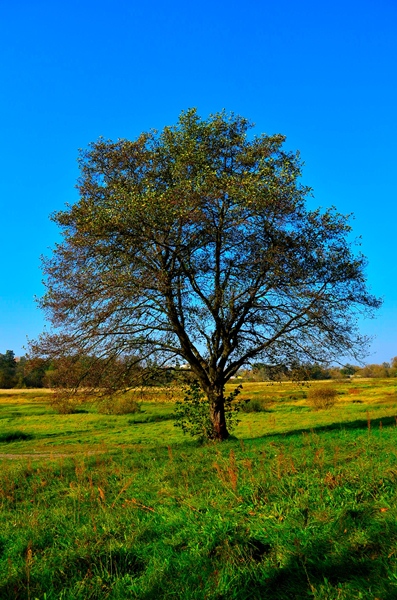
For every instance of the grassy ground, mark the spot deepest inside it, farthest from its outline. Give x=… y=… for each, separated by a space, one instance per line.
x=303 y=504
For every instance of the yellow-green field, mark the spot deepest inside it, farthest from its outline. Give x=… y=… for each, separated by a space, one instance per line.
x=287 y=410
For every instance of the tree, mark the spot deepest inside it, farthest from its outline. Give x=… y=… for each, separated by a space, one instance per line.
x=317 y=372
x=8 y=369
x=264 y=372
x=33 y=372
x=374 y=370
x=393 y=366
x=349 y=370
x=194 y=244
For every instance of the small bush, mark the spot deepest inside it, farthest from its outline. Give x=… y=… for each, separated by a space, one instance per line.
x=321 y=397
x=65 y=404
x=250 y=406
x=119 y=406
x=192 y=414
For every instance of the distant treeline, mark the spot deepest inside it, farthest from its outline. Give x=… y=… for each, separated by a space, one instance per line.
x=24 y=372
x=85 y=371
x=262 y=372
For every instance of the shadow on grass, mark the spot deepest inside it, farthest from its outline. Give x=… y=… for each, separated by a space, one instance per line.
x=15 y=436
x=359 y=567
x=89 y=576
x=301 y=578
x=144 y=419
x=11 y=415
x=337 y=426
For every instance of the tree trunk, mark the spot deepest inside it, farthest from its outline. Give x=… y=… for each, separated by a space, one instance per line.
x=217 y=414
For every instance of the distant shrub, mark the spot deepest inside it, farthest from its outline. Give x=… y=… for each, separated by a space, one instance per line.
x=65 y=404
x=250 y=406
x=119 y=406
x=321 y=397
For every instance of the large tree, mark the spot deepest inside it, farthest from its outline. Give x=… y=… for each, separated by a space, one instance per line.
x=195 y=244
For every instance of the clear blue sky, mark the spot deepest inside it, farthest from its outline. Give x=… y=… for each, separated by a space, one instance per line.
x=322 y=73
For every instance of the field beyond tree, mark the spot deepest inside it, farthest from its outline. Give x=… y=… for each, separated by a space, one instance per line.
x=300 y=503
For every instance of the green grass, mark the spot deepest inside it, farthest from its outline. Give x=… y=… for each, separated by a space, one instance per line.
x=303 y=504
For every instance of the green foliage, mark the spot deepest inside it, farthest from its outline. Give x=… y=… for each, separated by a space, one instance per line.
x=321 y=397
x=192 y=414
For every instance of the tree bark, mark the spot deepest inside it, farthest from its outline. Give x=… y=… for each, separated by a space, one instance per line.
x=217 y=414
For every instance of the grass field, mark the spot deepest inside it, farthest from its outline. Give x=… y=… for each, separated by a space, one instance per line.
x=299 y=504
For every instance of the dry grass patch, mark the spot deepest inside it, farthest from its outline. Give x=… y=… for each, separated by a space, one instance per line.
x=322 y=396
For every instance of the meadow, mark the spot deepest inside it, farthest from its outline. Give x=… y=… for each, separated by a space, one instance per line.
x=299 y=503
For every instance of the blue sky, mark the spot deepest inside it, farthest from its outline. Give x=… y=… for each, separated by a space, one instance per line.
x=322 y=73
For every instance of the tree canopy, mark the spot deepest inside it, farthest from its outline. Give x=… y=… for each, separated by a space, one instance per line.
x=194 y=244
